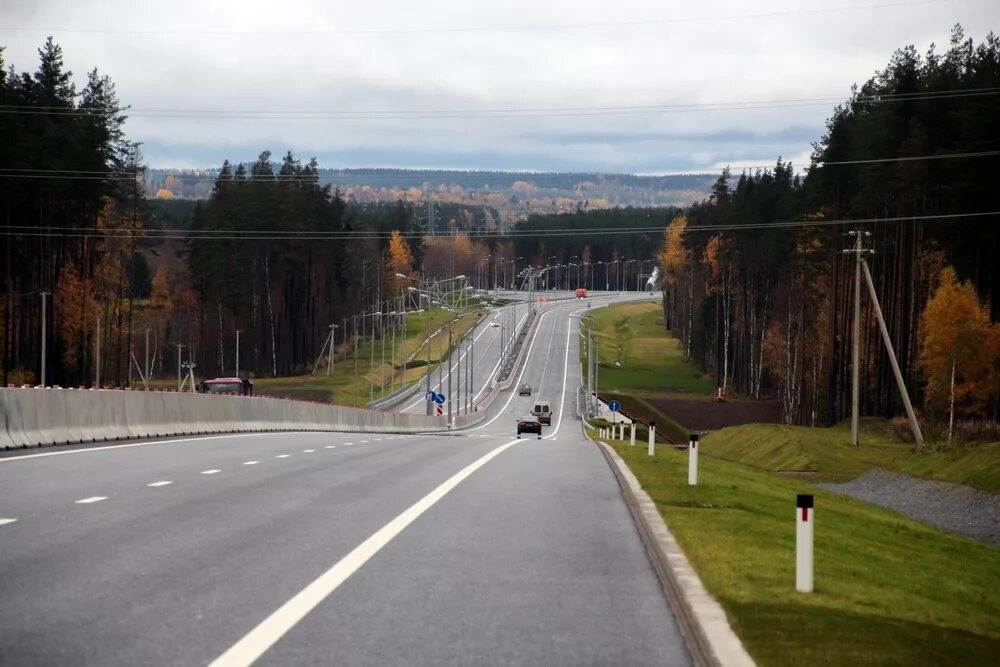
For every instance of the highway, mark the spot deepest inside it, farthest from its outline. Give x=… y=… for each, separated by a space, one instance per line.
x=471 y=547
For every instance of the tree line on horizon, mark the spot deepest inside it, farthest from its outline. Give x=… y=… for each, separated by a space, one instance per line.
x=768 y=310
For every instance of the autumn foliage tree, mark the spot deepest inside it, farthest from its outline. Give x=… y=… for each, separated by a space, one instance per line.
x=958 y=346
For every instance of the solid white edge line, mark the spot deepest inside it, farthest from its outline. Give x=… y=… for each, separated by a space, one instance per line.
x=451 y=367
x=11 y=459
x=527 y=357
x=256 y=642
x=562 y=396
x=4 y=522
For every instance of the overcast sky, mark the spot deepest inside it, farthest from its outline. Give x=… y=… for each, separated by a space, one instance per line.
x=272 y=59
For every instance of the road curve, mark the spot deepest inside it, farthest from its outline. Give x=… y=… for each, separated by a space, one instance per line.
x=325 y=548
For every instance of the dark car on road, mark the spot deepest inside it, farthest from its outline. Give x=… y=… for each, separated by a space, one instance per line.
x=529 y=425
x=525 y=390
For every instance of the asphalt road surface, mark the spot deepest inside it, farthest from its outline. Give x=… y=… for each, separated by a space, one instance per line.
x=335 y=549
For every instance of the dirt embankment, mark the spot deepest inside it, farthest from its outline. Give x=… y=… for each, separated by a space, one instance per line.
x=706 y=415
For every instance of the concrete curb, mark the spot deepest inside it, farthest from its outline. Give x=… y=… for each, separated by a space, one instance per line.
x=702 y=622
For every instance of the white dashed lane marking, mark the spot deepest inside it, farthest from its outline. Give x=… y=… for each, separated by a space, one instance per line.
x=308 y=451
x=160 y=483
x=92 y=499
x=4 y=522
x=250 y=463
x=331 y=446
x=362 y=442
x=210 y=472
x=281 y=456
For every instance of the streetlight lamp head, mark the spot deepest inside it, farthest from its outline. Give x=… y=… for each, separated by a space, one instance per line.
x=401 y=276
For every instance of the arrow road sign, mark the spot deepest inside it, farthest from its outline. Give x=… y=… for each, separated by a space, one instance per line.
x=439 y=399
x=614 y=406
x=431 y=396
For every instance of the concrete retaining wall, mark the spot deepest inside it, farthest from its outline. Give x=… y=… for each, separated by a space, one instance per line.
x=33 y=417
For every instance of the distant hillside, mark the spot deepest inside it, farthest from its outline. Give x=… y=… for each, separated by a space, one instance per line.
x=514 y=195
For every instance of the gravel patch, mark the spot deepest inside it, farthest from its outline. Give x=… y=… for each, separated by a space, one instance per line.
x=951 y=507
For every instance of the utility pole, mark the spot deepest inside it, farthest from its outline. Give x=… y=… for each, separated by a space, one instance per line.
x=97 y=355
x=42 y=376
x=903 y=394
x=237 y=353
x=355 y=325
x=856 y=336
x=333 y=342
x=145 y=378
x=179 y=346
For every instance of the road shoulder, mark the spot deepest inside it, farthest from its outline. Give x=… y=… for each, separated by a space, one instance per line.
x=703 y=623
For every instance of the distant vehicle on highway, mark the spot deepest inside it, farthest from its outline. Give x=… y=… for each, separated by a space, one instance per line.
x=529 y=425
x=543 y=411
x=495 y=324
x=233 y=386
x=581 y=294
x=525 y=390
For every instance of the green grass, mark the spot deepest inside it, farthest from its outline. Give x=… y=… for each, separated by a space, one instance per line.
x=828 y=454
x=888 y=591
x=652 y=364
x=651 y=360
x=343 y=387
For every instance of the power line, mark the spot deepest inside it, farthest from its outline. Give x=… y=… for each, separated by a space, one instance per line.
x=282 y=235
x=526 y=112
x=477 y=29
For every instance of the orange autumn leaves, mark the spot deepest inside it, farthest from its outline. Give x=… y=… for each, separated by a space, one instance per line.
x=959 y=347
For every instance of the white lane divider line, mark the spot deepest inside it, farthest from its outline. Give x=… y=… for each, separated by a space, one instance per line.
x=362 y=442
x=281 y=456
x=348 y=444
x=308 y=451
x=256 y=642
x=4 y=522
x=92 y=499
x=210 y=472
x=378 y=440
x=160 y=483
x=331 y=446
x=250 y=463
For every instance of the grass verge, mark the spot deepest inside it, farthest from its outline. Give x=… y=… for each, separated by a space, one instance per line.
x=889 y=591
x=826 y=453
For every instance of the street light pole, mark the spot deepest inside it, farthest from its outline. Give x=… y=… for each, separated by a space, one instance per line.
x=449 y=380
x=238 y=353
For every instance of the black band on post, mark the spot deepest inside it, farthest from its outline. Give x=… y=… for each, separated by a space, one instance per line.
x=804 y=500
x=652 y=424
x=693 y=437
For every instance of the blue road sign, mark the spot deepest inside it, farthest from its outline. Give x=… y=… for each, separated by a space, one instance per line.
x=614 y=406
x=431 y=396
x=439 y=399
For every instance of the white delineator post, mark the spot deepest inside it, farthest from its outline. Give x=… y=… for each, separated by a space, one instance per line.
x=621 y=430
x=804 y=518
x=693 y=460
x=652 y=437
x=631 y=436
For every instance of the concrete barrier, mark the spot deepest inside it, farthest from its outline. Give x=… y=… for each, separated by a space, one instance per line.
x=34 y=417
